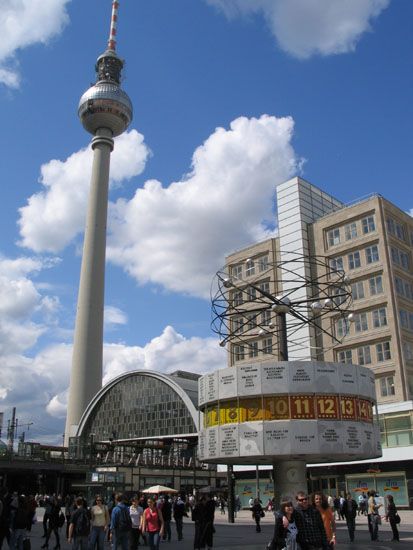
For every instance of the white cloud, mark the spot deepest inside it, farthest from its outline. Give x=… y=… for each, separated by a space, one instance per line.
x=56 y=215
x=166 y=353
x=24 y=23
x=115 y=316
x=308 y=27
x=177 y=236
x=19 y=301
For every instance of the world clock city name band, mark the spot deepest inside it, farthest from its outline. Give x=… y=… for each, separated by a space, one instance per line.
x=289 y=407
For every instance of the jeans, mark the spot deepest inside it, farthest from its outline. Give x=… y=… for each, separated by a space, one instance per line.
x=167 y=530
x=179 y=526
x=153 y=540
x=17 y=538
x=373 y=526
x=120 y=539
x=394 y=529
x=97 y=535
x=80 y=542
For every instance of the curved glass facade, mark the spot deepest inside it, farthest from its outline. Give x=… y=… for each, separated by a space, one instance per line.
x=139 y=406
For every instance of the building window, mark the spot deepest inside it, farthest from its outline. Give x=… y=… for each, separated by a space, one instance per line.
x=265 y=286
x=379 y=317
x=383 y=351
x=390 y=226
x=238 y=325
x=376 y=285
x=250 y=268
x=238 y=353
x=354 y=260
x=342 y=327
x=333 y=237
x=266 y=317
x=236 y=271
x=251 y=321
x=263 y=263
x=372 y=254
x=357 y=290
x=400 y=234
x=368 y=225
x=404 y=260
x=237 y=298
x=339 y=295
x=267 y=345
x=406 y=319
x=251 y=293
x=336 y=264
x=404 y=288
x=345 y=356
x=408 y=351
x=360 y=322
x=350 y=231
x=363 y=354
x=253 y=349
x=400 y=258
x=387 y=386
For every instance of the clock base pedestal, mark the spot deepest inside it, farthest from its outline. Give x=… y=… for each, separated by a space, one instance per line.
x=290 y=476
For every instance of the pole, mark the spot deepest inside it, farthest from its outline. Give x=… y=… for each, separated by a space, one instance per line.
x=231 y=497
x=282 y=336
x=257 y=481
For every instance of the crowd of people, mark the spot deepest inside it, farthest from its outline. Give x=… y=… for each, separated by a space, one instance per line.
x=311 y=523
x=124 y=522
x=308 y=524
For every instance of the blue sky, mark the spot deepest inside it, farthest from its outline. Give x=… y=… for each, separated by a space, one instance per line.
x=231 y=97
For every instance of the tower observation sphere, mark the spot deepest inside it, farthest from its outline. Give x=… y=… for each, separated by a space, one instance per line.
x=105 y=104
x=105 y=111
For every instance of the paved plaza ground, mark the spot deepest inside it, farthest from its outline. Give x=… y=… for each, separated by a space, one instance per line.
x=242 y=534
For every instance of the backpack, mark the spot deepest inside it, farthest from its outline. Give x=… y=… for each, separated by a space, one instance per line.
x=124 y=522
x=82 y=525
x=61 y=520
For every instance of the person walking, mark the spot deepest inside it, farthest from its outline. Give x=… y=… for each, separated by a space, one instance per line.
x=53 y=523
x=167 y=518
x=350 y=513
x=320 y=502
x=373 y=516
x=99 y=520
x=5 y=498
x=311 y=531
x=152 y=524
x=79 y=527
x=257 y=514
x=135 y=512
x=179 y=513
x=120 y=524
x=285 y=530
x=393 y=517
x=19 y=523
x=203 y=515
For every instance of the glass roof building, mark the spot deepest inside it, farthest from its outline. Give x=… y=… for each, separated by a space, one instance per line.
x=142 y=404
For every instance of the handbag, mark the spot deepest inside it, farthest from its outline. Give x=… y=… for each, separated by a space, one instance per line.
x=262 y=514
x=397 y=518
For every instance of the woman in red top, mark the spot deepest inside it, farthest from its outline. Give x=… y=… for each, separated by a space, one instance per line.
x=153 y=525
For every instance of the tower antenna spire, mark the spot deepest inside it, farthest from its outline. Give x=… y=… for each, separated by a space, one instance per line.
x=113 y=26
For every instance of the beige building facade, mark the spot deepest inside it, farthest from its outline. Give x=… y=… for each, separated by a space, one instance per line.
x=371 y=240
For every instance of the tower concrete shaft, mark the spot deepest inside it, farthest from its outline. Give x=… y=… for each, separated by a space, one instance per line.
x=105 y=111
x=86 y=374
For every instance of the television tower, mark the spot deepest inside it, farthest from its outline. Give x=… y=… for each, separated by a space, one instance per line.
x=105 y=111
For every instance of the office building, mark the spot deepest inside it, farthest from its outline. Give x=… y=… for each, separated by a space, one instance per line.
x=370 y=239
